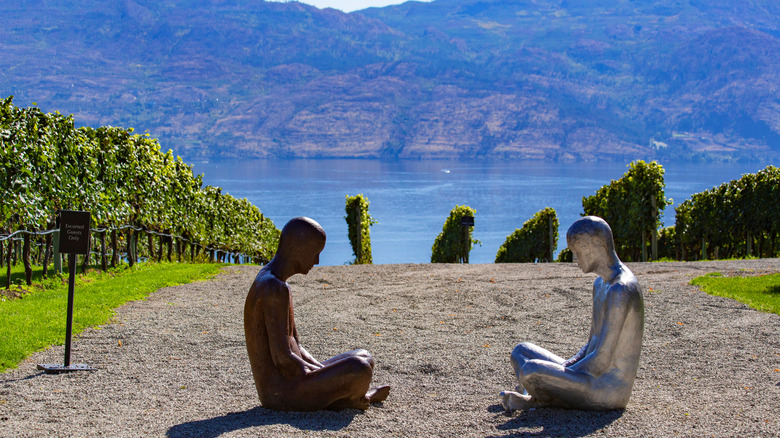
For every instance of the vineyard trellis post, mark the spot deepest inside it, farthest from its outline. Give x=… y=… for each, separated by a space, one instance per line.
x=552 y=237
x=46 y=254
x=55 y=250
x=151 y=245
x=654 y=235
x=169 y=247
x=466 y=223
x=8 y=265
x=704 y=248
x=103 y=255
x=129 y=245
x=359 y=236
x=86 y=256
x=160 y=243
x=114 y=248
x=26 y=259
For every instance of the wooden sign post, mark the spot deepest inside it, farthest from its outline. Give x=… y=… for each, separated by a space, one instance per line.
x=73 y=240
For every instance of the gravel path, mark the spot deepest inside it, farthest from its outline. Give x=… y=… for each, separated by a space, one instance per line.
x=176 y=364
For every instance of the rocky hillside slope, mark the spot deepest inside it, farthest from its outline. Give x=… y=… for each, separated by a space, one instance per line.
x=538 y=79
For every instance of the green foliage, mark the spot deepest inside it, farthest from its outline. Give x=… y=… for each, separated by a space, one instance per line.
x=565 y=256
x=761 y=293
x=735 y=219
x=39 y=281
x=358 y=224
x=632 y=206
x=667 y=243
x=47 y=164
x=532 y=242
x=454 y=242
x=37 y=320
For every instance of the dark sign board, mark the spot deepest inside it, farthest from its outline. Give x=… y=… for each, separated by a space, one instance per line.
x=467 y=221
x=74 y=239
x=74 y=232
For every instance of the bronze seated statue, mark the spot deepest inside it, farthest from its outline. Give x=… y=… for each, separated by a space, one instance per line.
x=287 y=377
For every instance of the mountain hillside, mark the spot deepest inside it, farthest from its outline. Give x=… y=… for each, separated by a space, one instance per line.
x=534 y=79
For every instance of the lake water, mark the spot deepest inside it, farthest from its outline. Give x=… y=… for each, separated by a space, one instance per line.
x=412 y=199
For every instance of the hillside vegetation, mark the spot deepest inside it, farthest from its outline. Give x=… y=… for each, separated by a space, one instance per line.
x=534 y=79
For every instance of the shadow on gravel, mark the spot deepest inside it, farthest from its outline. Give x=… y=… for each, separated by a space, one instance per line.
x=31 y=376
x=554 y=422
x=259 y=416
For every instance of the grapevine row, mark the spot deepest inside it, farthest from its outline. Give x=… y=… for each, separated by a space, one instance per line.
x=735 y=219
x=121 y=178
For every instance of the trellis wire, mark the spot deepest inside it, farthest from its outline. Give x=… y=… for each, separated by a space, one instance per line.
x=14 y=237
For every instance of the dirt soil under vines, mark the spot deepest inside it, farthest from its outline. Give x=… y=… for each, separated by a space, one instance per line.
x=175 y=364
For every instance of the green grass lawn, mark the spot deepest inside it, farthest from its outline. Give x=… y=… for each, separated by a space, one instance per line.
x=760 y=293
x=37 y=320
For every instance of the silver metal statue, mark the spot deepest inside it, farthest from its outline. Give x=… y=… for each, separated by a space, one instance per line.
x=601 y=375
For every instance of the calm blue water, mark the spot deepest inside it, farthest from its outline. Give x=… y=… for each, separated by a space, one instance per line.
x=412 y=199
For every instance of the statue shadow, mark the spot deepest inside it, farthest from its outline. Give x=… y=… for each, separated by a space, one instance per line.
x=259 y=416
x=553 y=422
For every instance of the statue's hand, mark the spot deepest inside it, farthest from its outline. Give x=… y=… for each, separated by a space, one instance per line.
x=576 y=358
x=311 y=367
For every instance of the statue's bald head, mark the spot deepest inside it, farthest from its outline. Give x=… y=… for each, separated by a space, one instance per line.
x=590 y=227
x=301 y=234
x=590 y=239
